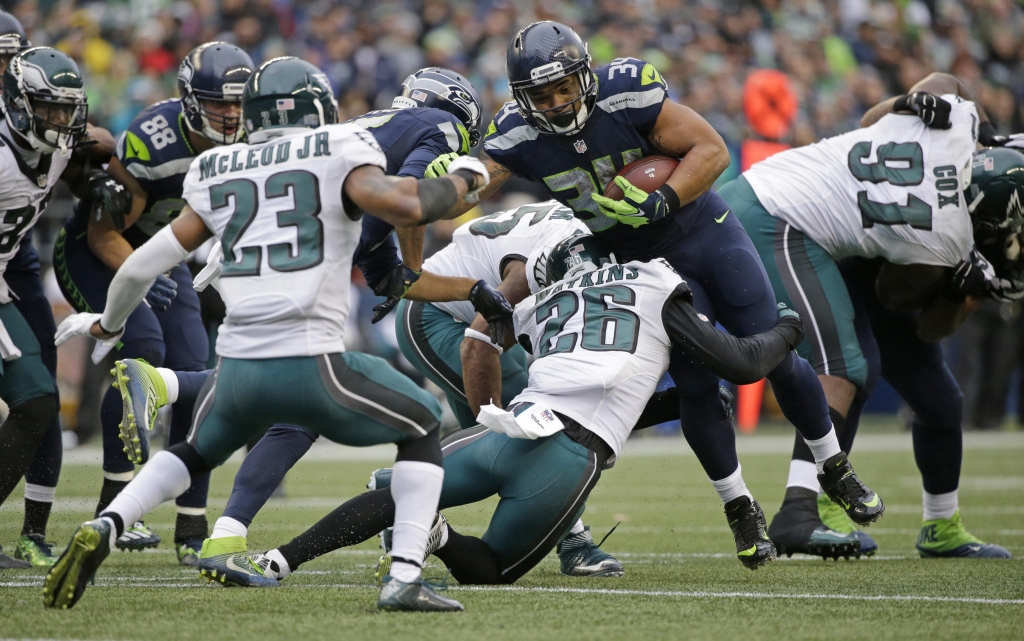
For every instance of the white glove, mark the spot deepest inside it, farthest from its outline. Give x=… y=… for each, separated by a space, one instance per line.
x=532 y=421
x=214 y=266
x=472 y=164
x=79 y=325
x=1013 y=141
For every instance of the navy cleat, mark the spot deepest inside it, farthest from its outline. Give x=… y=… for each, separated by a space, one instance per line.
x=11 y=563
x=188 y=552
x=225 y=561
x=798 y=529
x=841 y=484
x=137 y=537
x=66 y=581
x=753 y=547
x=398 y=596
x=580 y=557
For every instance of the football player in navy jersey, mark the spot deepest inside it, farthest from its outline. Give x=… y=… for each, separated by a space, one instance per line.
x=152 y=158
x=572 y=129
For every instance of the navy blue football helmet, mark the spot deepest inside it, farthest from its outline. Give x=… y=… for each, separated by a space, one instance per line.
x=12 y=35
x=546 y=52
x=213 y=72
x=446 y=90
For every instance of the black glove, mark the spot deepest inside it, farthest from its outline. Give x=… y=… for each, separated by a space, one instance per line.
x=162 y=293
x=969 y=279
x=932 y=110
x=728 y=401
x=491 y=304
x=988 y=137
x=112 y=196
x=393 y=287
x=791 y=318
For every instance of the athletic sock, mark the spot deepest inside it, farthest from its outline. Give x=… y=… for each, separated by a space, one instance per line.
x=283 y=569
x=162 y=479
x=470 y=560
x=578 y=528
x=940 y=506
x=227 y=526
x=113 y=484
x=803 y=474
x=823 y=449
x=38 y=502
x=190 y=524
x=170 y=382
x=732 y=486
x=416 y=488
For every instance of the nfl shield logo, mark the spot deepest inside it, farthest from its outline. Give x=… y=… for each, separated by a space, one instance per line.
x=581 y=147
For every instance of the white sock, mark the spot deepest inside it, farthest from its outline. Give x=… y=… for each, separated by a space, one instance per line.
x=227 y=526
x=283 y=569
x=824 y=448
x=578 y=528
x=803 y=474
x=940 y=506
x=113 y=530
x=119 y=476
x=40 y=493
x=171 y=381
x=415 y=488
x=732 y=486
x=165 y=477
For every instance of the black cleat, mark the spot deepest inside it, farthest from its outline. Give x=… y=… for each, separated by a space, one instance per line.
x=841 y=484
x=753 y=547
x=797 y=529
x=66 y=581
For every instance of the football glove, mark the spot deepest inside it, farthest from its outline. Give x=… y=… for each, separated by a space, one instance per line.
x=393 y=287
x=210 y=273
x=473 y=166
x=970 y=278
x=162 y=292
x=80 y=325
x=439 y=166
x=491 y=304
x=112 y=196
x=932 y=110
x=988 y=137
x=636 y=208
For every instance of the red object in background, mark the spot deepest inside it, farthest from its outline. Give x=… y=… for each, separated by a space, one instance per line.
x=769 y=103
x=753 y=151
x=157 y=60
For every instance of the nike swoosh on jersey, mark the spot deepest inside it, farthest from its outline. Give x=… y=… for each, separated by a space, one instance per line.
x=719 y=220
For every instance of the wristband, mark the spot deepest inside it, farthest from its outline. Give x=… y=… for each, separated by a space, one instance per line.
x=670 y=196
x=483 y=338
x=471 y=177
x=103 y=329
x=986 y=134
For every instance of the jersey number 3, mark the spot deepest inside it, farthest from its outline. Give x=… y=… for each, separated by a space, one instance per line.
x=899 y=164
x=304 y=216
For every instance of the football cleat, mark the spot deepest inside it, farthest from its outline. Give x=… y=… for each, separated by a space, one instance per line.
x=797 y=529
x=580 y=557
x=188 y=552
x=225 y=560
x=436 y=538
x=143 y=392
x=841 y=484
x=11 y=563
x=834 y=518
x=36 y=551
x=947 y=538
x=398 y=596
x=137 y=537
x=66 y=581
x=753 y=547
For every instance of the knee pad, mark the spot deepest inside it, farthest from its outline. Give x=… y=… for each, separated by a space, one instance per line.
x=426 y=449
x=193 y=460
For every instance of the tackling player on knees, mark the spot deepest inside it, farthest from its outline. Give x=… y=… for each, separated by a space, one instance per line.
x=289 y=234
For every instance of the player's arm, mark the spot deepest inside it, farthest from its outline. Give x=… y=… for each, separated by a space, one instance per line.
x=104 y=237
x=682 y=133
x=935 y=84
x=481 y=364
x=934 y=290
x=163 y=251
x=498 y=174
x=738 y=360
x=99 y=145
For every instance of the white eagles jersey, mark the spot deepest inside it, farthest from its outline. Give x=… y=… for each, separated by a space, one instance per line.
x=891 y=190
x=599 y=344
x=288 y=243
x=24 y=191
x=482 y=248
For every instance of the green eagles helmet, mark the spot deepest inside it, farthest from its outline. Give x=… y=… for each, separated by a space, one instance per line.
x=576 y=255
x=286 y=93
x=44 y=99
x=995 y=200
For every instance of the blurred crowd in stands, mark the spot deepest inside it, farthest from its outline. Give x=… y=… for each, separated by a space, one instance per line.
x=841 y=57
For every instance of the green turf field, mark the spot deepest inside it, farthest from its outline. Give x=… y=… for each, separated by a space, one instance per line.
x=682 y=580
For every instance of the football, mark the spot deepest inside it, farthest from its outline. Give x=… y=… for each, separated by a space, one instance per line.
x=647 y=173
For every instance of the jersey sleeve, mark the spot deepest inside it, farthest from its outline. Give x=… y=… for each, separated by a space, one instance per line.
x=196 y=194
x=442 y=134
x=140 y=152
x=635 y=87
x=376 y=254
x=504 y=137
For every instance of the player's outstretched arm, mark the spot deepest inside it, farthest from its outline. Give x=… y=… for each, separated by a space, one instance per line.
x=945 y=296
x=407 y=202
x=737 y=360
x=682 y=133
x=497 y=174
x=936 y=84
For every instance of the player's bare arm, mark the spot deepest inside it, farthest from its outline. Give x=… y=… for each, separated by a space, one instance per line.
x=407 y=202
x=937 y=84
x=498 y=173
x=682 y=133
x=920 y=287
x=105 y=241
x=481 y=367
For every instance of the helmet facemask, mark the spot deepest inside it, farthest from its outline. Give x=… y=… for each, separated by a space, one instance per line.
x=48 y=117
x=565 y=119
x=212 y=125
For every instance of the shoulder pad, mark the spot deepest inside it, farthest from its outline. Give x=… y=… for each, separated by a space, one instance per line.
x=629 y=74
x=508 y=129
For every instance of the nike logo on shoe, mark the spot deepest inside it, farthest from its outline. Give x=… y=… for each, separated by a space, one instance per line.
x=873 y=502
